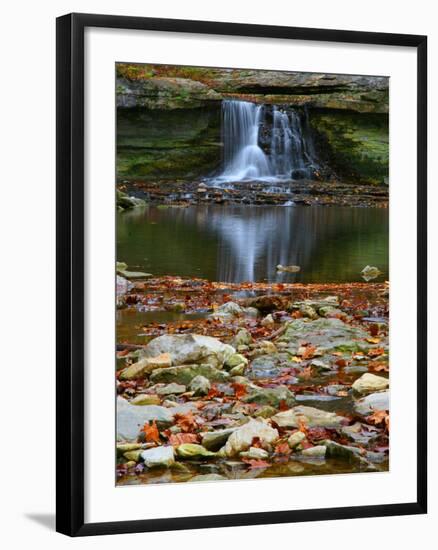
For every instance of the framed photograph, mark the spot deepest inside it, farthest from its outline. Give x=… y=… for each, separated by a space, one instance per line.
x=241 y=274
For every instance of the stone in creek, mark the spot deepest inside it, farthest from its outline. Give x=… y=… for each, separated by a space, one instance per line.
x=325 y=335
x=200 y=385
x=271 y=396
x=358 y=434
x=255 y=453
x=241 y=439
x=190 y=348
x=369 y=383
x=145 y=366
x=131 y=418
x=133 y=455
x=320 y=365
x=372 y=402
x=310 y=416
x=308 y=311
x=266 y=411
x=145 y=399
x=346 y=452
x=184 y=374
x=171 y=389
x=318 y=451
x=267 y=303
x=158 y=457
x=235 y=360
x=267 y=321
x=123 y=285
x=213 y=441
x=295 y=439
x=242 y=338
x=193 y=450
x=238 y=371
x=264 y=366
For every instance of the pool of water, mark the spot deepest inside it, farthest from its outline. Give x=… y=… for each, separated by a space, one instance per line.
x=246 y=243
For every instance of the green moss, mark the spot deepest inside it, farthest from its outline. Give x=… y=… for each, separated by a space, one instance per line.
x=356 y=145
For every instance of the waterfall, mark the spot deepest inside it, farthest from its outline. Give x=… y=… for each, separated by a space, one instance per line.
x=290 y=152
x=243 y=158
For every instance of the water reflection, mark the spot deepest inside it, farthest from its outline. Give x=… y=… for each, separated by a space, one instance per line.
x=235 y=244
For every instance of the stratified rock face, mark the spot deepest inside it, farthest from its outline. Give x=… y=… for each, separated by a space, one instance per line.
x=168 y=144
x=164 y=93
x=355 y=145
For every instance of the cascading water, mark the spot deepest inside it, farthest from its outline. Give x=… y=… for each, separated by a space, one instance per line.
x=290 y=148
x=243 y=158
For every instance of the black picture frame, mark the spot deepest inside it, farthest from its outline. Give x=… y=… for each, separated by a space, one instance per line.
x=70 y=273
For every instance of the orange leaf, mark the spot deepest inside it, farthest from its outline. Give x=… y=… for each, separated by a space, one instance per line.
x=180 y=439
x=239 y=390
x=378 y=417
x=186 y=422
x=309 y=352
x=282 y=449
x=151 y=432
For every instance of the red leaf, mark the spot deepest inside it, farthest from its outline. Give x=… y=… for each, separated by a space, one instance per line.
x=253 y=463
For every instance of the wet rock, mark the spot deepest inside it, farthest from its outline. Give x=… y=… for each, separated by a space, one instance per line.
x=229 y=309
x=145 y=399
x=131 y=418
x=241 y=439
x=242 y=338
x=308 y=311
x=266 y=304
x=171 y=389
x=145 y=366
x=295 y=439
x=369 y=383
x=190 y=348
x=370 y=272
x=123 y=285
x=372 y=402
x=264 y=366
x=336 y=450
x=255 y=453
x=310 y=416
x=133 y=455
x=158 y=457
x=326 y=335
x=239 y=370
x=207 y=477
x=213 y=441
x=271 y=396
x=200 y=385
x=235 y=360
x=289 y=268
x=320 y=365
x=266 y=411
x=318 y=451
x=358 y=434
x=192 y=450
x=123 y=448
x=184 y=374
x=267 y=321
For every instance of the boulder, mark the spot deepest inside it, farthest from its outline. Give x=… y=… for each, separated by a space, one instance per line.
x=235 y=360
x=131 y=418
x=200 y=385
x=145 y=399
x=373 y=402
x=266 y=304
x=295 y=439
x=171 y=389
x=326 y=335
x=144 y=366
x=190 y=348
x=271 y=396
x=241 y=439
x=184 y=374
x=318 y=451
x=369 y=383
x=255 y=453
x=158 y=457
x=309 y=416
x=242 y=338
x=213 y=441
x=192 y=450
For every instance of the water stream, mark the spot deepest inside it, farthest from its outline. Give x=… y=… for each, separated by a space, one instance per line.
x=262 y=142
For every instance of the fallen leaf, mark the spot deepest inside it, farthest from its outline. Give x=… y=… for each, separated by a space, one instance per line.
x=180 y=439
x=253 y=463
x=239 y=389
x=186 y=422
x=151 y=432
